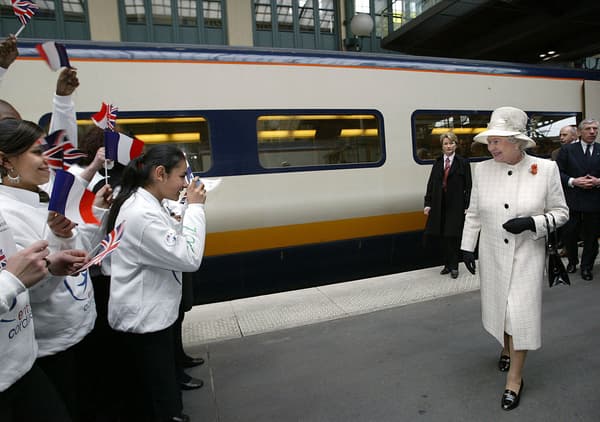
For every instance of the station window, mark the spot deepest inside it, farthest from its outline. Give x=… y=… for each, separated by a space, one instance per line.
x=54 y=19
x=318 y=140
x=180 y=21
x=428 y=125
x=296 y=24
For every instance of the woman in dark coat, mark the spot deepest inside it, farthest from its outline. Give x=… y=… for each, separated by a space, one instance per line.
x=447 y=198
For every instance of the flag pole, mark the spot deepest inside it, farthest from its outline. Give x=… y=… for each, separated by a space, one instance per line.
x=20 y=30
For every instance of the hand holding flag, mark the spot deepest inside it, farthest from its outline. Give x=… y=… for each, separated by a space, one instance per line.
x=24 y=11
x=106 y=118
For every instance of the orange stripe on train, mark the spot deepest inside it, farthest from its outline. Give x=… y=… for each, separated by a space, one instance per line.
x=250 y=240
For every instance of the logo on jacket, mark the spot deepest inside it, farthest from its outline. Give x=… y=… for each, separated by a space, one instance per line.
x=79 y=290
x=171 y=238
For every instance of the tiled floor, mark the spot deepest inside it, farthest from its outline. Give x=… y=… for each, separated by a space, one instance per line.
x=242 y=317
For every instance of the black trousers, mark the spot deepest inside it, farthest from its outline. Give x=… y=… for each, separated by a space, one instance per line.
x=148 y=380
x=450 y=249
x=32 y=398
x=587 y=226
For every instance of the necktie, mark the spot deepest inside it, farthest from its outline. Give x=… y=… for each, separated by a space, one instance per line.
x=588 y=151
x=446 y=171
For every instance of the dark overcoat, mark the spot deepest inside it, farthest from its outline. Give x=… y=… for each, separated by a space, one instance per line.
x=450 y=220
x=572 y=163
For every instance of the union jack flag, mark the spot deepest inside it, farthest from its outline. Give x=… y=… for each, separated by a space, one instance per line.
x=24 y=10
x=2 y=259
x=108 y=244
x=106 y=118
x=59 y=152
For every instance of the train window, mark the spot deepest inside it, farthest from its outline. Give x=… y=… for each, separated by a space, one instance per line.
x=191 y=133
x=318 y=140
x=428 y=125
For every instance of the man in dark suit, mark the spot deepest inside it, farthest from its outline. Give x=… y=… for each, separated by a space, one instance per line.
x=446 y=199
x=579 y=165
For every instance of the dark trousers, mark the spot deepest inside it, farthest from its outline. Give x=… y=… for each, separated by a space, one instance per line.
x=63 y=369
x=450 y=250
x=149 y=378
x=586 y=225
x=32 y=398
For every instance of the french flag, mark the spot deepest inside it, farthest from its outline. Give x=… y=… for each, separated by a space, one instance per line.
x=71 y=199
x=55 y=54
x=121 y=148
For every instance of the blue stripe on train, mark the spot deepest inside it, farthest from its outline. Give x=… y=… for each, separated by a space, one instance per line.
x=257 y=273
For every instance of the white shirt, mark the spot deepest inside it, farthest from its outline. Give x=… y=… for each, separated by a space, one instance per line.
x=17 y=341
x=145 y=286
x=63 y=307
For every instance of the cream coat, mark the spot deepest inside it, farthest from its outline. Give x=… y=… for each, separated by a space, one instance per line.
x=511 y=267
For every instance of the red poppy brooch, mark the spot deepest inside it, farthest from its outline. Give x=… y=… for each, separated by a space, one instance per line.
x=533 y=169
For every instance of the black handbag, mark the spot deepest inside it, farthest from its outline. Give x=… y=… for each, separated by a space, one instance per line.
x=557 y=273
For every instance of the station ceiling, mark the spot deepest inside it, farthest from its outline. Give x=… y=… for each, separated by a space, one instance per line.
x=505 y=30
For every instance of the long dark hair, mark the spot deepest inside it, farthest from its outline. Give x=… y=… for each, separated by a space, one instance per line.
x=137 y=173
x=16 y=137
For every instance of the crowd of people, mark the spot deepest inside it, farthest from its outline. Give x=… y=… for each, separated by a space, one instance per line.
x=102 y=344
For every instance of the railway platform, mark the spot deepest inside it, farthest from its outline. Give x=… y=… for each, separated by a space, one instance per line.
x=402 y=347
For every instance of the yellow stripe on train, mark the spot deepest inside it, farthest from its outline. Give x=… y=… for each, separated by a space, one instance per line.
x=237 y=241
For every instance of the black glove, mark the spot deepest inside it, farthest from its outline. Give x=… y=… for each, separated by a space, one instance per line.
x=469 y=260
x=519 y=225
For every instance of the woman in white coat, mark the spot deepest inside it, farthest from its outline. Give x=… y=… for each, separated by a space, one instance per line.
x=512 y=193
x=145 y=286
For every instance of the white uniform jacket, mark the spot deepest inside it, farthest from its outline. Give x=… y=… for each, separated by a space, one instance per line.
x=511 y=267
x=63 y=307
x=17 y=341
x=145 y=287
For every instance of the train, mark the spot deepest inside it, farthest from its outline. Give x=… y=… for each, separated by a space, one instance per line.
x=323 y=157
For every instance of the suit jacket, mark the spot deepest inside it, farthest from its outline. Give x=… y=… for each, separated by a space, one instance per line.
x=458 y=191
x=572 y=163
x=511 y=266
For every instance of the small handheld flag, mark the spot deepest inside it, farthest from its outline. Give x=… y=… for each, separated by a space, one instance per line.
x=121 y=148
x=54 y=54
x=71 y=199
x=59 y=152
x=107 y=246
x=106 y=118
x=24 y=11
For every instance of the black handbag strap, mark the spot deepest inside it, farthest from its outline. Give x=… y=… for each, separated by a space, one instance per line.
x=551 y=236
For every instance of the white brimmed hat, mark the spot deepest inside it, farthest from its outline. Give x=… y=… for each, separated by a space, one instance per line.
x=507 y=121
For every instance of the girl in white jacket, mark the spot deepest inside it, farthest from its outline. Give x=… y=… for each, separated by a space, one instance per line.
x=145 y=288
x=63 y=307
x=26 y=393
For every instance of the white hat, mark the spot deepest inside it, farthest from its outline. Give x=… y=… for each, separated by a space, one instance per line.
x=507 y=121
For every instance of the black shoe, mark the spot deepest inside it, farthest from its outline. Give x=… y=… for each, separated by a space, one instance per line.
x=586 y=274
x=445 y=271
x=191 y=384
x=181 y=418
x=454 y=273
x=190 y=362
x=510 y=399
x=571 y=268
x=504 y=363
